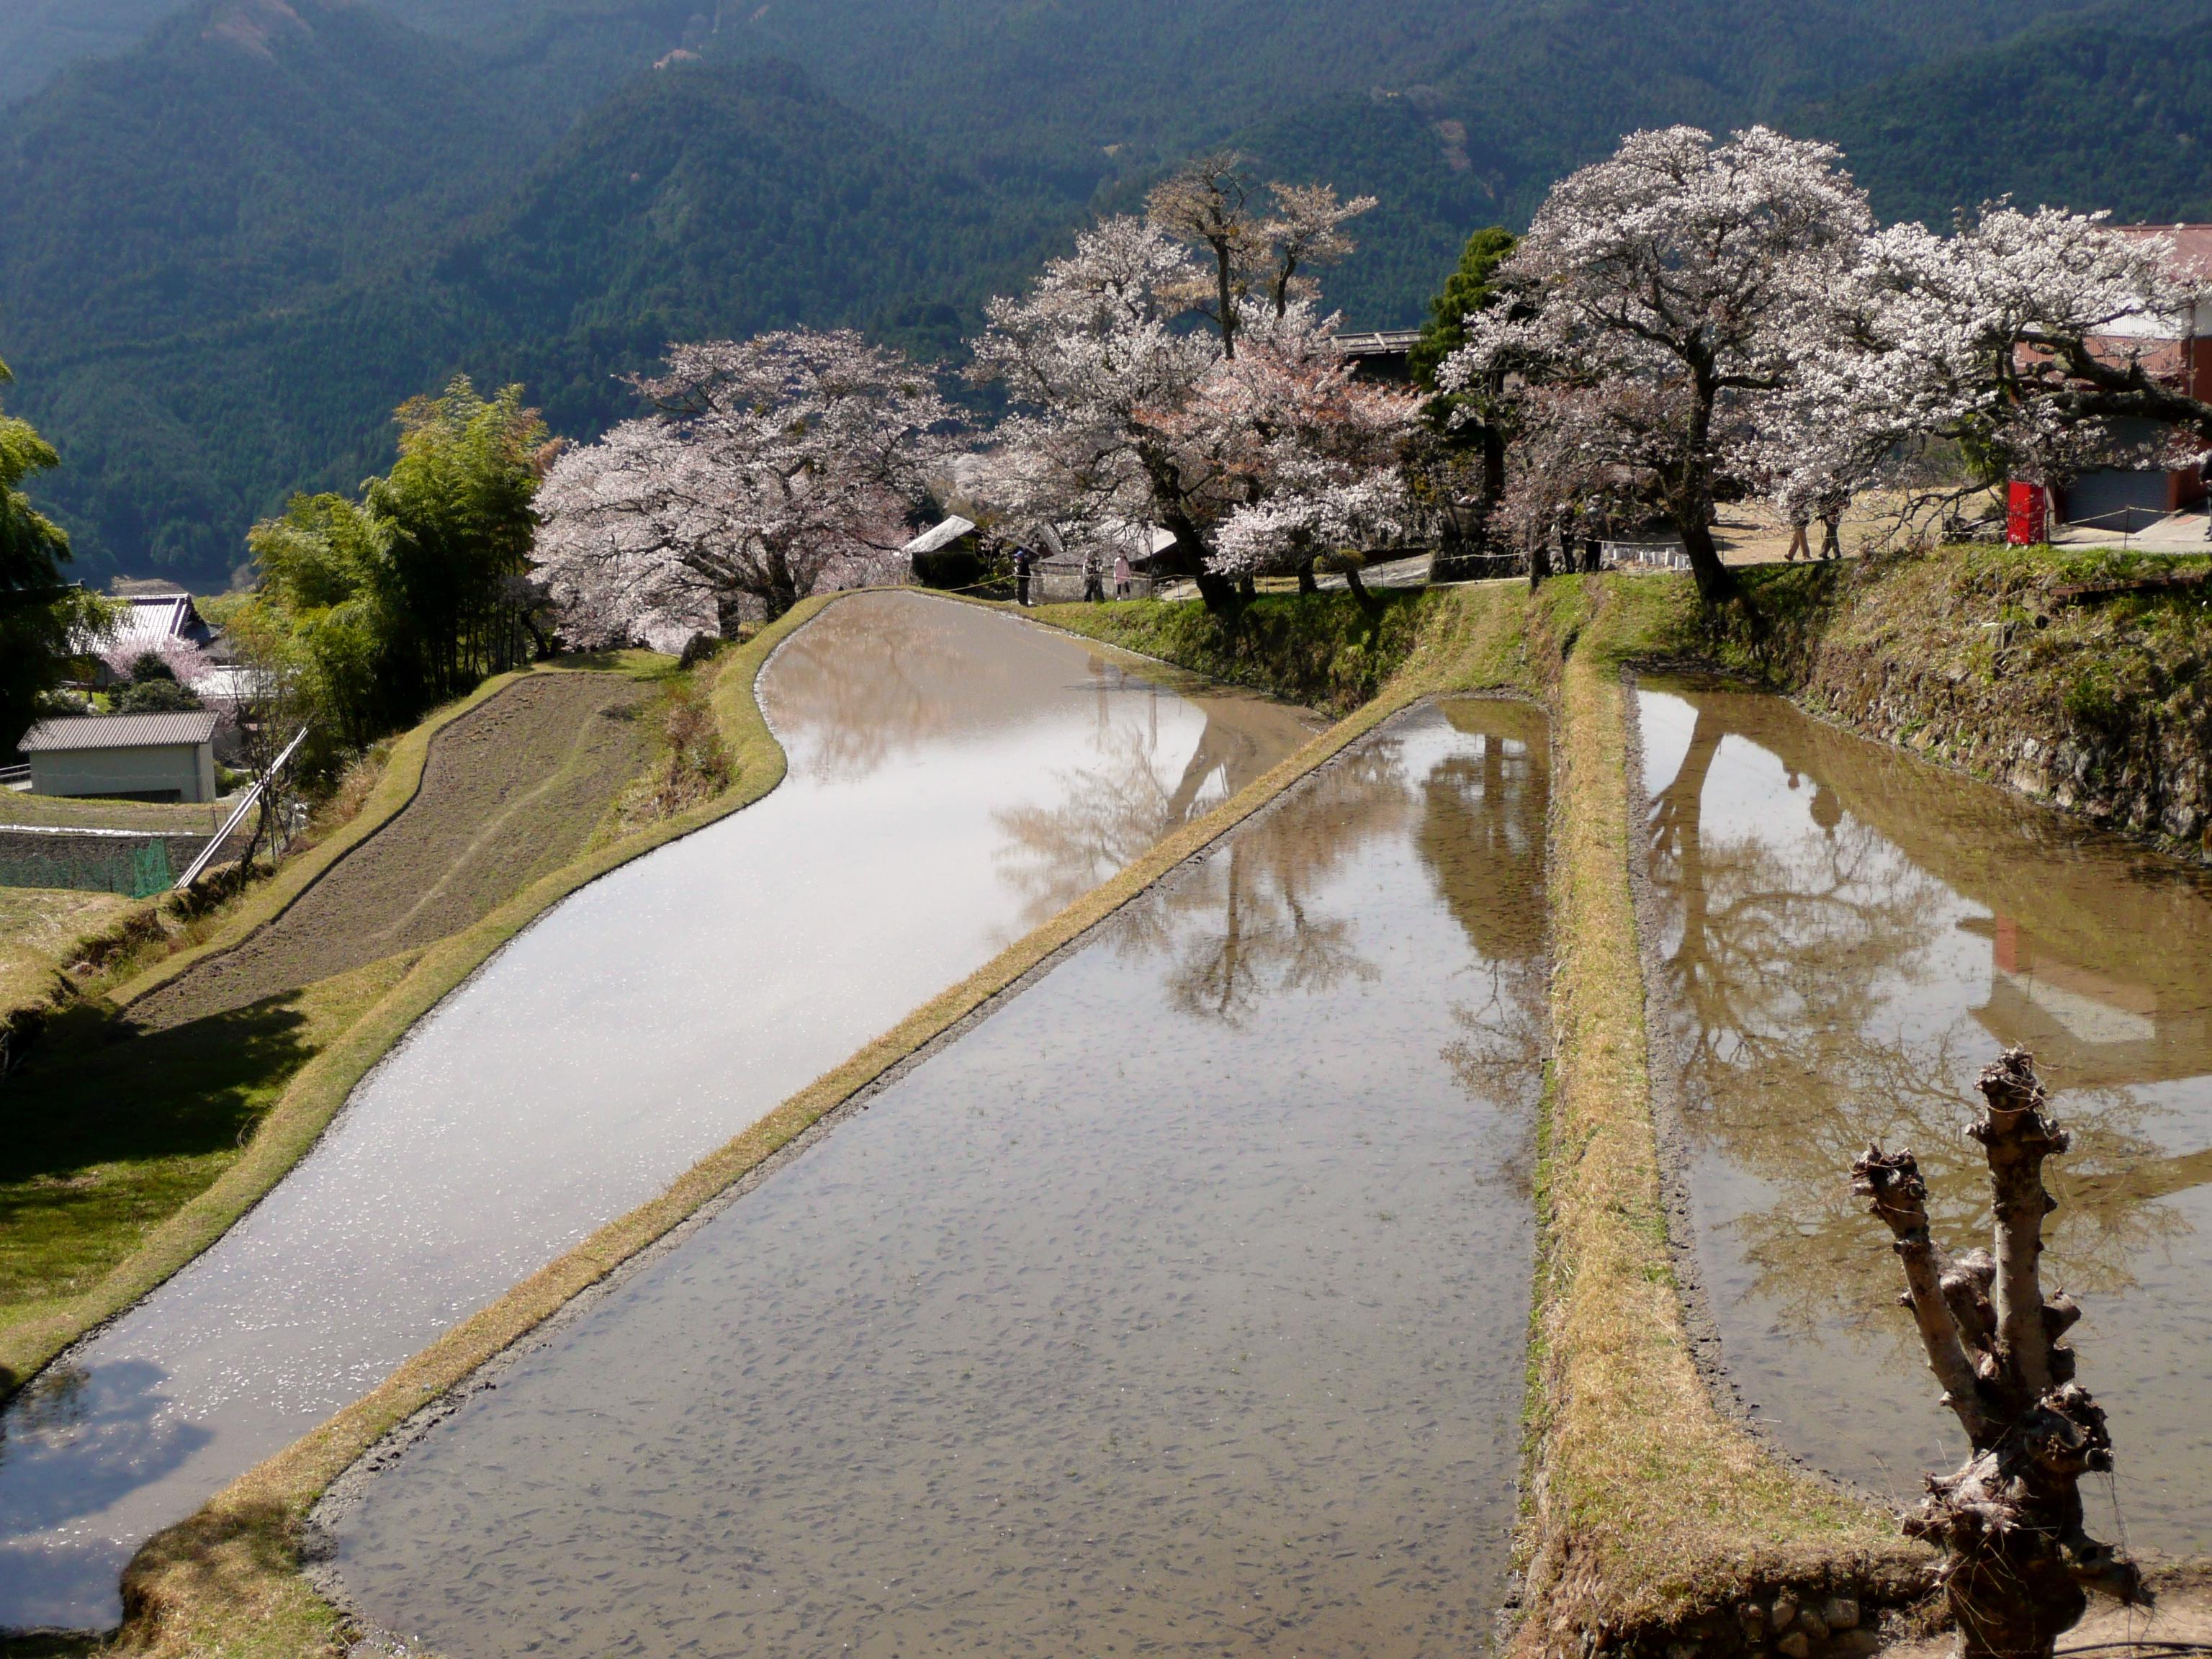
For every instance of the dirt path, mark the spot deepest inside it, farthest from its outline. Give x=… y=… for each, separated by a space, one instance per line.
x=509 y=791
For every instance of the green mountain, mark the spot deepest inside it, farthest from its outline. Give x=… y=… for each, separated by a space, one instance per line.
x=2107 y=108
x=232 y=248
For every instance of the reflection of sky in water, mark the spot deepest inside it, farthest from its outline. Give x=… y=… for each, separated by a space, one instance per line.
x=1825 y=989
x=1139 y=1319
x=634 y=1028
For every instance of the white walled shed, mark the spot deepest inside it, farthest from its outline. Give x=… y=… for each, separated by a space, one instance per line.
x=145 y=756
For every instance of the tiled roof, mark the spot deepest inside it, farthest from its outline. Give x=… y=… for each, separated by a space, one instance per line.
x=73 y=732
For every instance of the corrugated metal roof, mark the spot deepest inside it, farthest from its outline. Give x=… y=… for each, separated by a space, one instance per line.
x=119 y=732
x=1377 y=343
x=937 y=536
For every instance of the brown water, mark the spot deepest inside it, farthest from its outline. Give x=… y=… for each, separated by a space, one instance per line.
x=1849 y=936
x=955 y=774
x=1177 y=1307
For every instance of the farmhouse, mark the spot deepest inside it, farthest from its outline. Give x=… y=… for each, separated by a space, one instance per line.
x=946 y=554
x=1383 y=353
x=2129 y=499
x=160 y=618
x=138 y=757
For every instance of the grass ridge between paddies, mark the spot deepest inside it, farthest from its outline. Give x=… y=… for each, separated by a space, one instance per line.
x=346 y=1024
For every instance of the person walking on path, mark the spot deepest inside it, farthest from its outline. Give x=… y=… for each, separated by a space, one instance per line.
x=1021 y=575
x=1798 y=544
x=1831 y=520
x=1094 y=577
x=1121 y=575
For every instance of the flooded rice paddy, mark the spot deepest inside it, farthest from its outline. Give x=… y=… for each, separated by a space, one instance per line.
x=1847 y=936
x=1176 y=1307
x=956 y=776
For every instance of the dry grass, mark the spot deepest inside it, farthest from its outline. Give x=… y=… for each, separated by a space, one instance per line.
x=40 y=930
x=1644 y=1506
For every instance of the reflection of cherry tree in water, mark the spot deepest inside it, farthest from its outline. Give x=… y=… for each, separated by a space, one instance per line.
x=1242 y=926
x=1795 y=953
x=1245 y=927
x=868 y=680
x=1111 y=813
x=1482 y=839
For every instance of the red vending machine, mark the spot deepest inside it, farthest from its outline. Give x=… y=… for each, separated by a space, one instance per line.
x=2027 y=514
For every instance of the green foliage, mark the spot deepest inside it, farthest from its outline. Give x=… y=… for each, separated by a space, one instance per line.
x=1329 y=651
x=39 y=615
x=2104 y=107
x=155 y=696
x=377 y=610
x=1467 y=290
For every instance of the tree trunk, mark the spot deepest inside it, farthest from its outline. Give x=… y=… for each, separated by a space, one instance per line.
x=1716 y=581
x=1540 y=559
x=1216 y=590
x=2018 y=1560
x=1494 y=464
x=1221 y=285
x=1352 y=581
x=1306 y=582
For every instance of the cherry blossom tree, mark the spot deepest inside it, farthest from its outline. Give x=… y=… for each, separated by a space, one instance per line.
x=2028 y=338
x=1209 y=204
x=1126 y=416
x=1678 y=282
x=770 y=467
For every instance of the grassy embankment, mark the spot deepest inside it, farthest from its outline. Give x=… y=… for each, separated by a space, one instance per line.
x=122 y=1157
x=2040 y=669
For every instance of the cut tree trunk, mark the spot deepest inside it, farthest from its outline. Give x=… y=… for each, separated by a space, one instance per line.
x=2018 y=1562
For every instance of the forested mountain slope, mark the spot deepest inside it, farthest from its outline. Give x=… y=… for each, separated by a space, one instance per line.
x=230 y=248
x=2107 y=108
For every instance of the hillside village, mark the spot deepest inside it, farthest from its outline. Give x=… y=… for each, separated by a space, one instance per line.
x=1111 y=954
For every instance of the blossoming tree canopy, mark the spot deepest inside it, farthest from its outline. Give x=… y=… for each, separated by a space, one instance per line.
x=2027 y=337
x=1126 y=415
x=1662 y=291
x=770 y=467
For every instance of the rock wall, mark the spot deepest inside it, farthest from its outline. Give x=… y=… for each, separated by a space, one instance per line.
x=1984 y=662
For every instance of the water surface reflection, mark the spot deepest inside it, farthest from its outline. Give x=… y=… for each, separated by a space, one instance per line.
x=1849 y=935
x=1177 y=1307
x=634 y=1028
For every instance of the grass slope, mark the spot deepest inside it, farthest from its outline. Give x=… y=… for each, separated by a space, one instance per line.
x=149 y=1180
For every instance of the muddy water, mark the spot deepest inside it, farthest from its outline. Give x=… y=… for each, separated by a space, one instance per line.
x=955 y=775
x=1176 y=1308
x=1849 y=935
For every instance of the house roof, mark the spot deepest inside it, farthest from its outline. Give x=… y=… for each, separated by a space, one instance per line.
x=939 y=536
x=76 y=731
x=2192 y=246
x=1378 y=342
x=149 y=621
